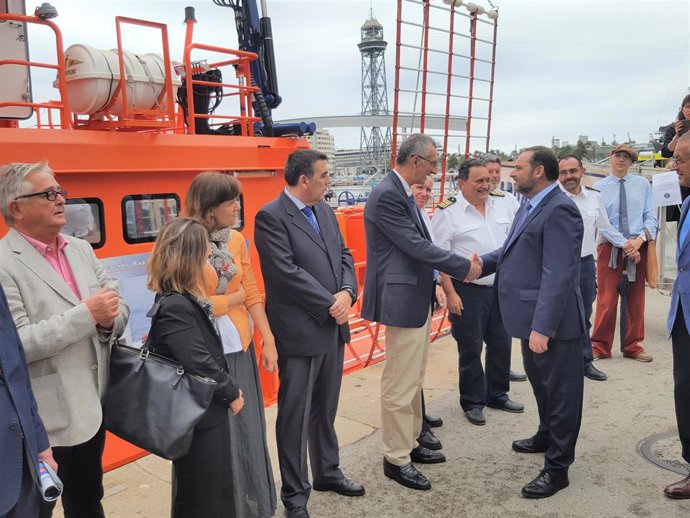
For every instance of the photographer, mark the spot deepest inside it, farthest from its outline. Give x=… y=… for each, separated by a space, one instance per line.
x=674 y=131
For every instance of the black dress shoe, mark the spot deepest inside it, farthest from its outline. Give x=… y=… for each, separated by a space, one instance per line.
x=425 y=456
x=406 y=475
x=509 y=406
x=297 y=512
x=434 y=422
x=475 y=416
x=344 y=486
x=545 y=485
x=530 y=445
x=593 y=373
x=429 y=441
x=514 y=376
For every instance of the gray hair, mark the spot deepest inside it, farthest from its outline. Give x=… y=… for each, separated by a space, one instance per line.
x=415 y=144
x=492 y=159
x=13 y=184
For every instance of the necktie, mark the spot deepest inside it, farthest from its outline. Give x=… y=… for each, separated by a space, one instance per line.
x=623 y=210
x=309 y=213
x=523 y=218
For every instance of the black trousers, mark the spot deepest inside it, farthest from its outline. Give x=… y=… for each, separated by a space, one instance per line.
x=557 y=378
x=307 y=404
x=588 y=288
x=81 y=472
x=30 y=501
x=481 y=323
x=681 y=380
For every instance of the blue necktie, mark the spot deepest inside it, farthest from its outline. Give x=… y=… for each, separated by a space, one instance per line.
x=523 y=218
x=309 y=213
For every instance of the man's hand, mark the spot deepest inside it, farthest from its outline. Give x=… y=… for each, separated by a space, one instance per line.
x=46 y=456
x=538 y=343
x=635 y=257
x=440 y=298
x=632 y=245
x=475 y=268
x=237 y=405
x=269 y=354
x=340 y=309
x=104 y=306
x=454 y=303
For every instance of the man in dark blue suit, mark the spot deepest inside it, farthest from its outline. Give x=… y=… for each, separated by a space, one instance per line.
x=23 y=439
x=679 y=318
x=538 y=288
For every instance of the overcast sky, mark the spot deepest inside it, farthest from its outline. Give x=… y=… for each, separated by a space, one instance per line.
x=564 y=67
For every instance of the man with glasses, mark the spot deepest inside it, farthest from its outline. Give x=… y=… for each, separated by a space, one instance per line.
x=476 y=221
x=630 y=209
x=594 y=217
x=67 y=317
x=399 y=293
x=679 y=318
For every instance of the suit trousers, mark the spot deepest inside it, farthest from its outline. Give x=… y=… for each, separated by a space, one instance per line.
x=401 y=390
x=30 y=501
x=607 y=305
x=588 y=289
x=480 y=322
x=681 y=380
x=81 y=472
x=307 y=405
x=557 y=378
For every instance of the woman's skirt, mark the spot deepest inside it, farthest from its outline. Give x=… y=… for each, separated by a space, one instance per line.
x=253 y=488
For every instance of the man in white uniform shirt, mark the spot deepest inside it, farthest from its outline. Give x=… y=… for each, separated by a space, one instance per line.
x=594 y=217
x=493 y=165
x=477 y=221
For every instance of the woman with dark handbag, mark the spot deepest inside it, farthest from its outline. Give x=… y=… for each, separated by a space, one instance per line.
x=186 y=332
x=237 y=304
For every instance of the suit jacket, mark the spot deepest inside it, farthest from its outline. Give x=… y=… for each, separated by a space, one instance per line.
x=20 y=426
x=182 y=331
x=680 y=294
x=538 y=271
x=68 y=358
x=302 y=271
x=399 y=283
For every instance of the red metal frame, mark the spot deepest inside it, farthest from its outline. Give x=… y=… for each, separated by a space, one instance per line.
x=473 y=49
x=491 y=85
x=446 y=123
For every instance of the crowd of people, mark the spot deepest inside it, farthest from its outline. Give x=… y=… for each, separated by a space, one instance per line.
x=503 y=269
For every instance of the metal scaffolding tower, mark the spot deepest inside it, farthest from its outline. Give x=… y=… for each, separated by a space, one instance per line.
x=374 y=143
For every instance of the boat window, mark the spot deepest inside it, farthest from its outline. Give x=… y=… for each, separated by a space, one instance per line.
x=143 y=215
x=85 y=220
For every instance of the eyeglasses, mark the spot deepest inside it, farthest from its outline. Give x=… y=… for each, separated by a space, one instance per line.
x=569 y=172
x=48 y=195
x=433 y=163
x=679 y=161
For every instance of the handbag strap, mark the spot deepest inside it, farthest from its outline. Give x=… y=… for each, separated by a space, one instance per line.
x=152 y=313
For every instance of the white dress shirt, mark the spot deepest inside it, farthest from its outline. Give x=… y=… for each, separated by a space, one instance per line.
x=594 y=218
x=462 y=229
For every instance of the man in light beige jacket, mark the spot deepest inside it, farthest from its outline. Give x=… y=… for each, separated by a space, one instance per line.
x=67 y=318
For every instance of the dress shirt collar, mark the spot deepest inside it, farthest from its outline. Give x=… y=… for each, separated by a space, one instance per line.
x=43 y=248
x=300 y=204
x=582 y=194
x=406 y=186
x=464 y=204
x=536 y=200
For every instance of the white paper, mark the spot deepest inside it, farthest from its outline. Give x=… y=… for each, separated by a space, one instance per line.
x=666 y=189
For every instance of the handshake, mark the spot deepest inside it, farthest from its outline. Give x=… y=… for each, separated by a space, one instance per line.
x=475 y=268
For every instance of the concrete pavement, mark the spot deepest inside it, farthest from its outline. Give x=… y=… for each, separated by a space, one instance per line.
x=483 y=476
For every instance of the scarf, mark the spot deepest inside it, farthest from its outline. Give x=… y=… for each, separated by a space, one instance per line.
x=221 y=259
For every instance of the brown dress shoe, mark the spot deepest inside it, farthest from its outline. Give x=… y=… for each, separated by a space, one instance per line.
x=641 y=357
x=679 y=490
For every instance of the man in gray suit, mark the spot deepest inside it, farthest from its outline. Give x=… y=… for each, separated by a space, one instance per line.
x=399 y=293
x=310 y=285
x=67 y=318
x=538 y=288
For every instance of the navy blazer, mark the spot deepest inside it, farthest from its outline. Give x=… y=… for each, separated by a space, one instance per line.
x=399 y=283
x=302 y=272
x=538 y=271
x=18 y=412
x=680 y=294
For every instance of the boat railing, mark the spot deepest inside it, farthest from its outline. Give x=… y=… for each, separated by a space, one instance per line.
x=60 y=105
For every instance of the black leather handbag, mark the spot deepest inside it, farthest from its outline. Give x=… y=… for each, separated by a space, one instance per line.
x=151 y=401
